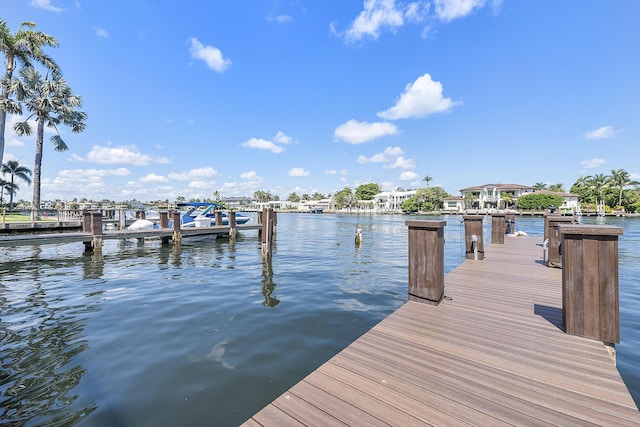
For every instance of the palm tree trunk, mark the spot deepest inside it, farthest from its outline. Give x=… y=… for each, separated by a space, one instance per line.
x=3 y=121
x=11 y=194
x=37 y=169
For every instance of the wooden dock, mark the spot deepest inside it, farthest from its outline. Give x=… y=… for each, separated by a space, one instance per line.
x=493 y=352
x=82 y=236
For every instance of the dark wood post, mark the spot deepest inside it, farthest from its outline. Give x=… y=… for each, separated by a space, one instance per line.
x=175 y=218
x=590 y=305
x=426 y=261
x=86 y=221
x=473 y=234
x=554 y=248
x=92 y=223
x=164 y=219
x=267 y=231
x=232 y=223
x=497 y=228
x=545 y=234
x=164 y=223
x=218 y=216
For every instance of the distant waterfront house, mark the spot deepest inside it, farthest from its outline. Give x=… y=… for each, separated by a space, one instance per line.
x=316 y=206
x=238 y=202
x=391 y=201
x=453 y=204
x=494 y=196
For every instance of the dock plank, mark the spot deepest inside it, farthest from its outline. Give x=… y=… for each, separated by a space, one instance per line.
x=494 y=352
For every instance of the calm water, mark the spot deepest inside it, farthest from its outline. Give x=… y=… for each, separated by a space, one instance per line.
x=209 y=333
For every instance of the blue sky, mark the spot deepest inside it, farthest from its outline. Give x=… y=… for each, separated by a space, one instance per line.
x=188 y=98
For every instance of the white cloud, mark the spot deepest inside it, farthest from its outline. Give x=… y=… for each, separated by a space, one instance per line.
x=408 y=176
x=420 y=98
x=194 y=174
x=87 y=179
x=282 y=138
x=388 y=155
x=417 y=11
x=355 y=132
x=601 y=133
x=448 y=10
x=46 y=5
x=262 y=144
x=298 y=172
x=402 y=163
x=251 y=175
x=101 y=32
x=593 y=163
x=283 y=19
x=128 y=155
x=377 y=14
x=153 y=178
x=212 y=56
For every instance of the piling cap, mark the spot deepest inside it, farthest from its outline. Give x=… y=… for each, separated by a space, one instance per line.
x=594 y=230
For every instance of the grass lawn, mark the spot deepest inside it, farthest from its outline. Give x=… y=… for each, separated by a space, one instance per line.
x=21 y=218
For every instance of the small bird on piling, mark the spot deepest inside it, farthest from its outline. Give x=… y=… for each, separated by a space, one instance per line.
x=358 y=237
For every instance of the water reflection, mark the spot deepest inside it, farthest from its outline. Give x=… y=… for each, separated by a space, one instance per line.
x=267 y=283
x=93 y=266
x=40 y=341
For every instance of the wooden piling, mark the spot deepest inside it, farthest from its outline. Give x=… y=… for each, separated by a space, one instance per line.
x=232 y=223
x=218 y=217
x=164 y=223
x=497 y=228
x=590 y=304
x=92 y=223
x=175 y=218
x=473 y=234
x=554 y=249
x=267 y=231
x=426 y=261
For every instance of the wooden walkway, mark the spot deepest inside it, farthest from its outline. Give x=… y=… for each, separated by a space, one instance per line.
x=492 y=353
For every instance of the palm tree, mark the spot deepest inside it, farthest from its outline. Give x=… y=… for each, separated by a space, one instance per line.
x=557 y=188
x=621 y=178
x=540 y=186
x=7 y=187
x=427 y=179
x=598 y=183
x=23 y=47
x=51 y=102
x=13 y=168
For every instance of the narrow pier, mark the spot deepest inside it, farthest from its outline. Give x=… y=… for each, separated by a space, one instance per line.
x=492 y=351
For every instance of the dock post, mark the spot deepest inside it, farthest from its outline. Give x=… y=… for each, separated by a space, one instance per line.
x=554 y=248
x=473 y=234
x=267 y=231
x=426 y=261
x=232 y=223
x=92 y=223
x=175 y=218
x=164 y=219
x=497 y=228
x=545 y=234
x=86 y=221
x=122 y=219
x=164 y=223
x=590 y=300
x=218 y=216
x=274 y=216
